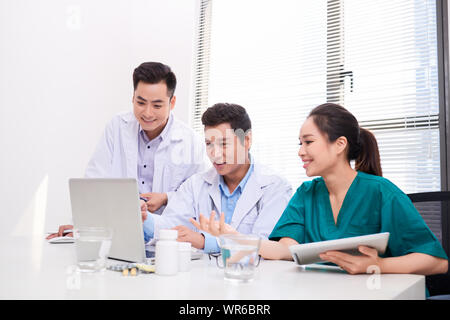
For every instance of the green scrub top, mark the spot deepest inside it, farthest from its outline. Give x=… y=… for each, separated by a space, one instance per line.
x=372 y=204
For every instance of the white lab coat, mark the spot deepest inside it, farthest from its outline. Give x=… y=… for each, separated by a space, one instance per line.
x=178 y=157
x=258 y=209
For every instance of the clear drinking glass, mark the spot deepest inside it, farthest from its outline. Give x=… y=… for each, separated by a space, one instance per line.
x=239 y=253
x=92 y=247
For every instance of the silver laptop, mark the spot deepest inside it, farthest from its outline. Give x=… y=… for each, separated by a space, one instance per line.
x=111 y=203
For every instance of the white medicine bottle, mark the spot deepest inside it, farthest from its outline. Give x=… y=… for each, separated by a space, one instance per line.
x=184 y=256
x=166 y=253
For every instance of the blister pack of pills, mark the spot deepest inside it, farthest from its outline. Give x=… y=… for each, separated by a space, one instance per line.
x=132 y=269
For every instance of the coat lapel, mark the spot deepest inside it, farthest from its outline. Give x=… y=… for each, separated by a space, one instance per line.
x=130 y=143
x=212 y=178
x=251 y=194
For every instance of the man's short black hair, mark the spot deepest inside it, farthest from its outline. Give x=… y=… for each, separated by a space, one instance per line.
x=155 y=72
x=230 y=113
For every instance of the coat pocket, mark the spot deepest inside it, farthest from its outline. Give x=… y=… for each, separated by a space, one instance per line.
x=247 y=222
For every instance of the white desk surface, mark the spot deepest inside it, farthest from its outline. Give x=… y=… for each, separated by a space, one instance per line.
x=31 y=268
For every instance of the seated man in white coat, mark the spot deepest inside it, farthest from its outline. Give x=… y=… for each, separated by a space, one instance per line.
x=148 y=144
x=250 y=195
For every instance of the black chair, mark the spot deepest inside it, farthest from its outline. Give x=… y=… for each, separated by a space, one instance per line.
x=434 y=208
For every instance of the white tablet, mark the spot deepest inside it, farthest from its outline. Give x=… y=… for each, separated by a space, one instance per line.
x=309 y=252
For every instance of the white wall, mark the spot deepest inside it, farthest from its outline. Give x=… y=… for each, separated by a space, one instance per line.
x=65 y=70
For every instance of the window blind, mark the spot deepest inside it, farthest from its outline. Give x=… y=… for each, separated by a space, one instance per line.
x=279 y=59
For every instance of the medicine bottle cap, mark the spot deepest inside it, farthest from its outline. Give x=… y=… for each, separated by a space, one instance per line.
x=167 y=234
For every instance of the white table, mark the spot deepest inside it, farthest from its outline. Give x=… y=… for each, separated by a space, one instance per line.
x=31 y=268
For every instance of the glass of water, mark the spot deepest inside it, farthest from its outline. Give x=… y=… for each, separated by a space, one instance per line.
x=239 y=253
x=92 y=247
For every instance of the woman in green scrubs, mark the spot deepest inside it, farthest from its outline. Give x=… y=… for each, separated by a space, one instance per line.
x=345 y=202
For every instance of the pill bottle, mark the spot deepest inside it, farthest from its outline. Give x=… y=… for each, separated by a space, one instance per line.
x=166 y=253
x=184 y=256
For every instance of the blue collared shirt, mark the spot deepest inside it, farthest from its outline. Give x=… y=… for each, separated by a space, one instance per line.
x=146 y=156
x=228 y=204
x=146 y=166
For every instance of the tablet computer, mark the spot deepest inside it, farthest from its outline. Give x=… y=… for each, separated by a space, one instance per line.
x=309 y=252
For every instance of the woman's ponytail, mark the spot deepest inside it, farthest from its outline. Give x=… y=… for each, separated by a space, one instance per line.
x=368 y=159
x=336 y=121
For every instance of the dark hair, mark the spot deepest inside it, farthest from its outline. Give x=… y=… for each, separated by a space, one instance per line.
x=155 y=72
x=230 y=113
x=336 y=121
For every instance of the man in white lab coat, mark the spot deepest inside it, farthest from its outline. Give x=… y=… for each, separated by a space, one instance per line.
x=148 y=144
x=251 y=196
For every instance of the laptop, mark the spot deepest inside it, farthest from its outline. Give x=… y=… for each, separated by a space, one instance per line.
x=111 y=203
